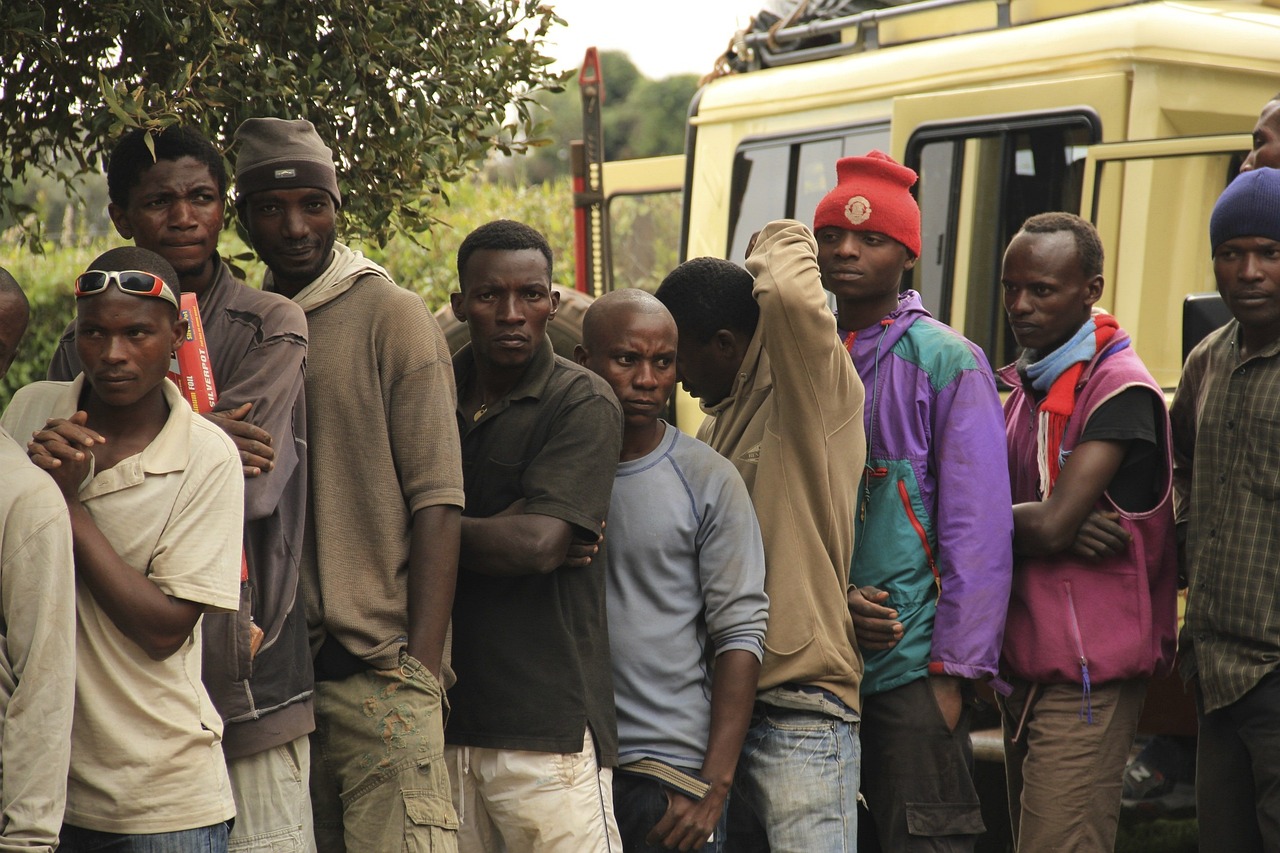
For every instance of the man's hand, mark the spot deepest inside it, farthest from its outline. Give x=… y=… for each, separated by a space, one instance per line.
x=877 y=627
x=583 y=551
x=950 y=697
x=251 y=441
x=1100 y=536
x=688 y=823
x=62 y=448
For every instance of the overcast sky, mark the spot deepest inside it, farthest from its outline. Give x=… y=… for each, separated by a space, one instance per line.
x=662 y=37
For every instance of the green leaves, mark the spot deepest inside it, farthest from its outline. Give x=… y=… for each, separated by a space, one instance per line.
x=411 y=94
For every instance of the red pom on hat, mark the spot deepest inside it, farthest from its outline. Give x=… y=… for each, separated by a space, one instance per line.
x=873 y=193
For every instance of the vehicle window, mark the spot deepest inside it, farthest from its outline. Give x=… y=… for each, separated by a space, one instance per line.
x=978 y=183
x=786 y=177
x=644 y=231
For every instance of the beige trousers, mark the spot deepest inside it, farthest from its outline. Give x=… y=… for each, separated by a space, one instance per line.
x=515 y=801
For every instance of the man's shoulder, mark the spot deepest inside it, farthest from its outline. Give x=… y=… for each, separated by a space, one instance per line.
x=572 y=382
x=210 y=446
x=697 y=459
x=940 y=351
x=278 y=313
x=27 y=489
x=1213 y=345
x=30 y=406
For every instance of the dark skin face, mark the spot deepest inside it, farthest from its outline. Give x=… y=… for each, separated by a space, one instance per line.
x=1266 y=140
x=707 y=370
x=506 y=301
x=294 y=231
x=1047 y=296
x=1248 y=274
x=13 y=322
x=635 y=352
x=864 y=270
x=176 y=211
x=125 y=343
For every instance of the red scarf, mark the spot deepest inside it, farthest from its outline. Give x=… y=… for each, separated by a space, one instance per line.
x=1060 y=403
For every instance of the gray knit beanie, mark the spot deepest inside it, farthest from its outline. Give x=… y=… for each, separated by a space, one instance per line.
x=276 y=153
x=1248 y=207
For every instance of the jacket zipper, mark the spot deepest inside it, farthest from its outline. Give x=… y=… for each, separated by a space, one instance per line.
x=1086 y=698
x=924 y=537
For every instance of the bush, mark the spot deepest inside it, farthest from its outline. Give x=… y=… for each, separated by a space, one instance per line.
x=425 y=266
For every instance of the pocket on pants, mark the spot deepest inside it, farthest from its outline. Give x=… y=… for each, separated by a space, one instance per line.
x=430 y=823
x=936 y=820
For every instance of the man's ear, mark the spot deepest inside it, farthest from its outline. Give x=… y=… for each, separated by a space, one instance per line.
x=120 y=220
x=455 y=302
x=1093 y=290
x=580 y=355
x=179 y=334
x=555 y=304
x=728 y=345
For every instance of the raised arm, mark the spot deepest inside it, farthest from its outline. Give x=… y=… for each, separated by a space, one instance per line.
x=812 y=371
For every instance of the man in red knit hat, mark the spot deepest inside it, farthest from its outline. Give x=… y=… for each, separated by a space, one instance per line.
x=929 y=581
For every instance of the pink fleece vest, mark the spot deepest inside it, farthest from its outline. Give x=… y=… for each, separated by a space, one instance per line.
x=1072 y=620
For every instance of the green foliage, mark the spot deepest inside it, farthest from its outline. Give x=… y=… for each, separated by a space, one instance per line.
x=640 y=117
x=412 y=94
x=423 y=263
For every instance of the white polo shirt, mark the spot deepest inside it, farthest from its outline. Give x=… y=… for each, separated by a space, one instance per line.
x=146 y=754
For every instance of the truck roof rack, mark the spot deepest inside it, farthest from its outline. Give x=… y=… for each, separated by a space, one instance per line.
x=768 y=49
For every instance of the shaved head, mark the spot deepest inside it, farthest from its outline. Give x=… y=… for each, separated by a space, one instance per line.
x=14 y=312
x=608 y=315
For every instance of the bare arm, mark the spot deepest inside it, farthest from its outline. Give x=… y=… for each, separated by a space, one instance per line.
x=509 y=545
x=1047 y=527
x=157 y=622
x=433 y=571
x=687 y=823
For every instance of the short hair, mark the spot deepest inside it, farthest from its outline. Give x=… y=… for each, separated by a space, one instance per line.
x=131 y=157
x=134 y=258
x=705 y=295
x=1088 y=243
x=503 y=235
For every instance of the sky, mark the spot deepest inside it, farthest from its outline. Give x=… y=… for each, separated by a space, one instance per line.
x=662 y=37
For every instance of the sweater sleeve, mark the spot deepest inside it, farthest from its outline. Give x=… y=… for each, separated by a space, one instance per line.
x=420 y=400
x=974 y=526
x=270 y=376
x=731 y=564
x=812 y=372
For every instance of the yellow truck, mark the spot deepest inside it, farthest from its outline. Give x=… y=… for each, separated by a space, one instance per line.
x=1134 y=115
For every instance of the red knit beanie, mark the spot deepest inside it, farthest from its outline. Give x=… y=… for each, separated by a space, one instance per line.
x=872 y=194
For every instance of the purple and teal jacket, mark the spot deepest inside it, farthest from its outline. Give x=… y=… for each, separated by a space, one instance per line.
x=934 y=521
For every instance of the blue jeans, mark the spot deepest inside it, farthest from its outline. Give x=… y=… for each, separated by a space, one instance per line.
x=205 y=839
x=796 y=789
x=638 y=805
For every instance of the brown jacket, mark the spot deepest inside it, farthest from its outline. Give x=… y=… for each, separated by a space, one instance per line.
x=792 y=425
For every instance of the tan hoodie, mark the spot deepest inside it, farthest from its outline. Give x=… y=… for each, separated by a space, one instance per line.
x=792 y=425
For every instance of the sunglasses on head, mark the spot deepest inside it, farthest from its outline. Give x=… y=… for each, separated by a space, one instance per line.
x=137 y=282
